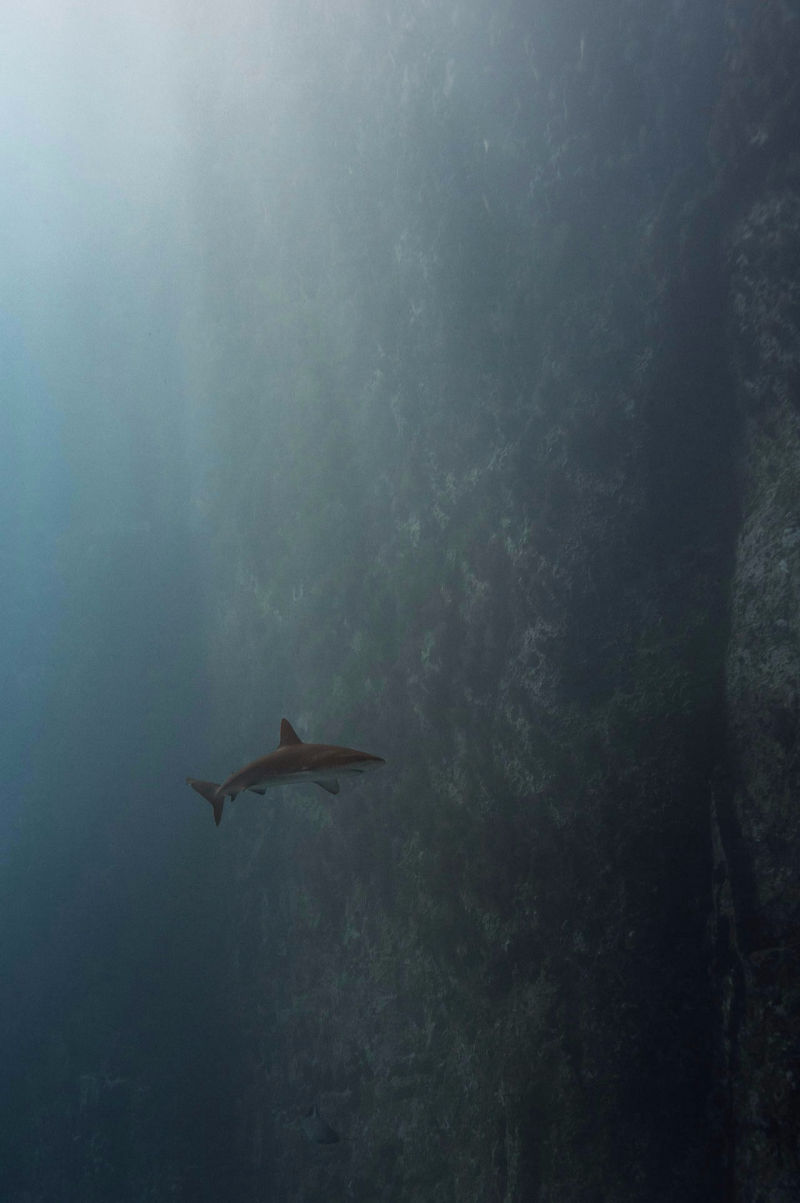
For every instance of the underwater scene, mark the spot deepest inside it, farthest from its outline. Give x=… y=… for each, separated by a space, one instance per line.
x=400 y=640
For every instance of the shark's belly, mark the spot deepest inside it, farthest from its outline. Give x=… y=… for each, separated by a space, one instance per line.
x=301 y=777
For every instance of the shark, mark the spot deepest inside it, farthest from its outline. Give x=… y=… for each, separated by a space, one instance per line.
x=317 y=1128
x=292 y=763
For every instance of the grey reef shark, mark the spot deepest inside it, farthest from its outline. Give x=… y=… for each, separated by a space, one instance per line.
x=317 y=1129
x=292 y=762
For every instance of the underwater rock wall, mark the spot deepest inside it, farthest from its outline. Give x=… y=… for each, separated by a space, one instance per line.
x=528 y=529
x=757 y=823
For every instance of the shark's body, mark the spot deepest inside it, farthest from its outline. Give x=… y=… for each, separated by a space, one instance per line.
x=292 y=762
x=317 y=1129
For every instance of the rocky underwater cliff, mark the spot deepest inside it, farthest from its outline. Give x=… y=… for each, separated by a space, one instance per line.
x=530 y=529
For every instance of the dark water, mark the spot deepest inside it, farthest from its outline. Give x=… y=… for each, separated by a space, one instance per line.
x=372 y=365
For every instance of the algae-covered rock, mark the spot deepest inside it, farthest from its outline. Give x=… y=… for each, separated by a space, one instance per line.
x=529 y=530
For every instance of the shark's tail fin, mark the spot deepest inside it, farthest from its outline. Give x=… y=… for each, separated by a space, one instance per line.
x=210 y=791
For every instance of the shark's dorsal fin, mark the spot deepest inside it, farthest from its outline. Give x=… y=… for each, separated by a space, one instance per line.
x=288 y=734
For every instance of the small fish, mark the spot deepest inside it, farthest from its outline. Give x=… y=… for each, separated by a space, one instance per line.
x=318 y=1130
x=292 y=762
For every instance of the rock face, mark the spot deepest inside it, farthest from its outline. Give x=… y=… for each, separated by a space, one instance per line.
x=531 y=531
x=757 y=837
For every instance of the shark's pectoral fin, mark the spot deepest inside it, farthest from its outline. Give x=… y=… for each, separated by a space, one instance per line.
x=257 y=789
x=210 y=791
x=332 y=787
